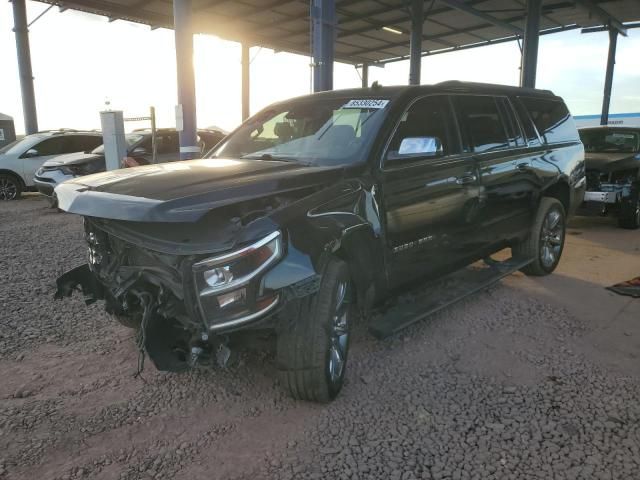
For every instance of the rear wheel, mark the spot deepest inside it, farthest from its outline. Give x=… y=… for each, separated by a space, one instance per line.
x=10 y=187
x=546 y=239
x=630 y=215
x=313 y=347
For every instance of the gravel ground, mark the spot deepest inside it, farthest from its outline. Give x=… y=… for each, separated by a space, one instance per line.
x=511 y=383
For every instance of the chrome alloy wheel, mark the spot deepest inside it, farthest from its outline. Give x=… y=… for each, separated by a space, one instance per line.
x=8 y=189
x=339 y=333
x=551 y=238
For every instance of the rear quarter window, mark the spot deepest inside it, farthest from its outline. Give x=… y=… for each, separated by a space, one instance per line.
x=552 y=119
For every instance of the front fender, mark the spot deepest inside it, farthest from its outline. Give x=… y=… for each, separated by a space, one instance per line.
x=347 y=226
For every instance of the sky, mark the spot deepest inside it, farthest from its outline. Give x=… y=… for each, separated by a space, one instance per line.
x=80 y=61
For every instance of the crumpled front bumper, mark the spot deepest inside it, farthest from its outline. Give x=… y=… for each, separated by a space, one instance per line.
x=81 y=278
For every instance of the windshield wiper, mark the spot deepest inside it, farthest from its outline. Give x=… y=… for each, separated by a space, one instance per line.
x=267 y=157
x=270 y=158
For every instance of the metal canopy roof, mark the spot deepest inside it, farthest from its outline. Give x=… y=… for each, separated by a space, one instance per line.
x=448 y=24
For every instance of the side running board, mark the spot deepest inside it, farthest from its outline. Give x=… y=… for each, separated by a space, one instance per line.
x=435 y=296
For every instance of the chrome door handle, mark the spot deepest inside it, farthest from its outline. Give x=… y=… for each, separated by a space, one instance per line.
x=466 y=179
x=523 y=166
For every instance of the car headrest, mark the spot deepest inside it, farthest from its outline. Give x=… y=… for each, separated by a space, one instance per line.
x=283 y=130
x=342 y=133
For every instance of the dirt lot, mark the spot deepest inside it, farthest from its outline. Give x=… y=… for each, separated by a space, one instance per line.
x=536 y=378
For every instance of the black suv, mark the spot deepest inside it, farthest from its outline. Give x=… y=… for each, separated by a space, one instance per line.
x=319 y=208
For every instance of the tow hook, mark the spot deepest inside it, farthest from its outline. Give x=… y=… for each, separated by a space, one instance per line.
x=222 y=354
x=196 y=353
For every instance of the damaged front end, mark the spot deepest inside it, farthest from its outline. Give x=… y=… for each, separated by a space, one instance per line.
x=175 y=301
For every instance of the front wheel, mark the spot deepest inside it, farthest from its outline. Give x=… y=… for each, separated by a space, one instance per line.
x=313 y=345
x=546 y=239
x=10 y=187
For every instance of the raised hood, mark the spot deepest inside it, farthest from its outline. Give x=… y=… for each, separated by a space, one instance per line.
x=71 y=159
x=184 y=191
x=609 y=162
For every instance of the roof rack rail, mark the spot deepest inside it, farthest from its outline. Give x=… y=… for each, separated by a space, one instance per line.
x=56 y=130
x=462 y=85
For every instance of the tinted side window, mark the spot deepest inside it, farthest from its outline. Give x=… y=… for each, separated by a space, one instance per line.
x=82 y=143
x=480 y=123
x=51 y=146
x=428 y=117
x=552 y=119
x=168 y=143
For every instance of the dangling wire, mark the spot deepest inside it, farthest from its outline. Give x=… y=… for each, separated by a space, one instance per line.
x=146 y=300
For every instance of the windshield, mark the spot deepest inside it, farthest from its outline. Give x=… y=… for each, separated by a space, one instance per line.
x=130 y=138
x=316 y=131
x=608 y=140
x=17 y=146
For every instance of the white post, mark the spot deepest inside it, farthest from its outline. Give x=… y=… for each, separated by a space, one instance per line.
x=115 y=146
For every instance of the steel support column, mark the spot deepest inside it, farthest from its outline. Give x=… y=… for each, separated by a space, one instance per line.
x=608 y=79
x=530 y=44
x=186 y=111
x=323 y=15
x=246 y=81
x=24 y=67
x=365 y=75
x=415 y=48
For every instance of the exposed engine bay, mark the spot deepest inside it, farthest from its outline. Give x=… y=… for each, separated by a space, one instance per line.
x=168 y=292
x=143 y=290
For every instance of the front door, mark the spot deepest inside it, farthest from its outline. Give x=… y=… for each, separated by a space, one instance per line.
x=430 y=193
x=32 y=159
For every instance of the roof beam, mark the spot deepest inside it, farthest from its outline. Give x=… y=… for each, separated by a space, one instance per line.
x=606 y=18
x=468 y=30
x=465 y=7
x=474 y=45
x=397 y=19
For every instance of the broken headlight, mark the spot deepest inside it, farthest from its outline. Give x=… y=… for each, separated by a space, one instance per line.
x=237 y=268
x=224 y=284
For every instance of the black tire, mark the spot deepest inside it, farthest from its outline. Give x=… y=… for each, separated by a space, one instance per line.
x=630 y=216
x=315 y=340
x=546 y=240
x=10 y=187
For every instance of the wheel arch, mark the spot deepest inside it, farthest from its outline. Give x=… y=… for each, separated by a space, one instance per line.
x=561 y=191
x=359 y=248
x=4 y=171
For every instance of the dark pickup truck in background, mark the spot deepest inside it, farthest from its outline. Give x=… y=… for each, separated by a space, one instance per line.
x=319 y=208
x=612 y=157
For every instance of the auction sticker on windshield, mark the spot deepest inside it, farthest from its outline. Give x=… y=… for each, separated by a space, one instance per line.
x=366 y=103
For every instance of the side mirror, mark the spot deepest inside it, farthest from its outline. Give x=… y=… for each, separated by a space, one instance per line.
x=412 y=147
x=32 y=152
x=420 y=146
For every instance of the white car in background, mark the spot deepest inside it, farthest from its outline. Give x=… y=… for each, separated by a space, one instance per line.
x=20 y=160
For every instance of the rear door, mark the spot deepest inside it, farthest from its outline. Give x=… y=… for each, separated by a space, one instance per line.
x=492 y=135
x=430 y=194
